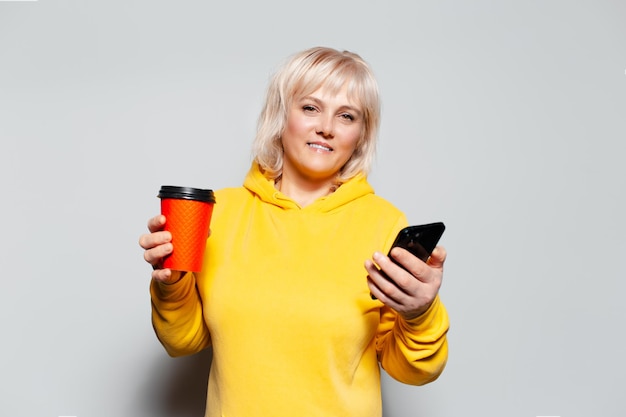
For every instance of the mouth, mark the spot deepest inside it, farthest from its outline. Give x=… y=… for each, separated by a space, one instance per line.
x=319 y=146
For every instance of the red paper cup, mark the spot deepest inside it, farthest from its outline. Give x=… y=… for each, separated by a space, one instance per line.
x=188 y=217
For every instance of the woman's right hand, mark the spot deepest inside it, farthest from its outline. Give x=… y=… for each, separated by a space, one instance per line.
x=157 y=245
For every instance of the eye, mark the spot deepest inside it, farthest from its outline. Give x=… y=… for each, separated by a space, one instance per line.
x=309 y=108
x=347 y=116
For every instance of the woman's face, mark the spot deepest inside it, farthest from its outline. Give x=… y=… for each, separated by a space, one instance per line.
x=320 y=135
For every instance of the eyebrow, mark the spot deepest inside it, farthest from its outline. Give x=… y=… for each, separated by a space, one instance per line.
x=342 y=107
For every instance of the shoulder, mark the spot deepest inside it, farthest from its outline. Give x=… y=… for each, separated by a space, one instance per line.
x=231 y=205
x=230 y=194
x=227 y=200
x=380 y=204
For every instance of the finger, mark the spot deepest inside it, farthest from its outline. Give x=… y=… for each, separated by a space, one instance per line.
x=375 y=278
x=389 y=265
x=162 y=275
x=392 y=297
x=381 y=282
x=411 y=263
x=406 y=294
x=383 y=268
x=156 y=223
x=149 y=241
x=438 y=257
x=167 y=276
x=155 y=255
x=375 y=292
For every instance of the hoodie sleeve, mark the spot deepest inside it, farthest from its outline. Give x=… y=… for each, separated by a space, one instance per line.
x=177 y=316
x=413 y=351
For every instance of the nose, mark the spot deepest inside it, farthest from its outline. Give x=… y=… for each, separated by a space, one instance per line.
x=326 y=127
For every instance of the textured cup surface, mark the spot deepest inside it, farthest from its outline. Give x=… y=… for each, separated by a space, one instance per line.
x=188 y=218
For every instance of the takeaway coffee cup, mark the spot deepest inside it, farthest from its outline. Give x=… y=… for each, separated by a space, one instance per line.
x=188 y=217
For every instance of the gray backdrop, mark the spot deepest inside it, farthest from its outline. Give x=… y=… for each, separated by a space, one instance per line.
x=504 y=119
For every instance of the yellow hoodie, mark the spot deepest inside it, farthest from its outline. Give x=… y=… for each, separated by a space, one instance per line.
x=284 y=303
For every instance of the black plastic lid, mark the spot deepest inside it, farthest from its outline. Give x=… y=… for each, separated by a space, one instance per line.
x=186 y=193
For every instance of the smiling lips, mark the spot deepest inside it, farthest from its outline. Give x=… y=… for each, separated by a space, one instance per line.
x=319 y=146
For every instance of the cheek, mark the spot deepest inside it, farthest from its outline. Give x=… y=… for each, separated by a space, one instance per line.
x=296 y=125
x=289 y=134
x=352 y=138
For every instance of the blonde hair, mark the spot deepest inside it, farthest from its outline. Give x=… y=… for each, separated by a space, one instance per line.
x=302 y=74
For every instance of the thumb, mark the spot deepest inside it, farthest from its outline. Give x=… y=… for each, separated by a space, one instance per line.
x=437 y=257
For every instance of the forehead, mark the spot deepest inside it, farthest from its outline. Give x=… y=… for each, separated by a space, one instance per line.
x=330 y=92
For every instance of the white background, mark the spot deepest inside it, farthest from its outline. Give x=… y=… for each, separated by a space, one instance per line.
x=504 y=119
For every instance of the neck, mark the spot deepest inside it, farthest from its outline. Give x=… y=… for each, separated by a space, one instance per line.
x=304 y=192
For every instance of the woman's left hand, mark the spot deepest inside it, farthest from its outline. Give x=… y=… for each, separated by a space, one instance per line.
x=414 y=288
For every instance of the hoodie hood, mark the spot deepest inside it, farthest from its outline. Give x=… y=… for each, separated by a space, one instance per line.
x=264 y=188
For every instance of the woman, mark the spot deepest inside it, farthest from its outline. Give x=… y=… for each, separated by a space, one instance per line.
x=285 y=294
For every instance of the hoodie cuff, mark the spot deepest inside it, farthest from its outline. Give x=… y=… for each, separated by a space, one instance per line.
x=175 y=291
x=432 y=324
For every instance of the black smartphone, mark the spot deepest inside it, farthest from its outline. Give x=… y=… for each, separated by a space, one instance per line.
x=420 y=240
